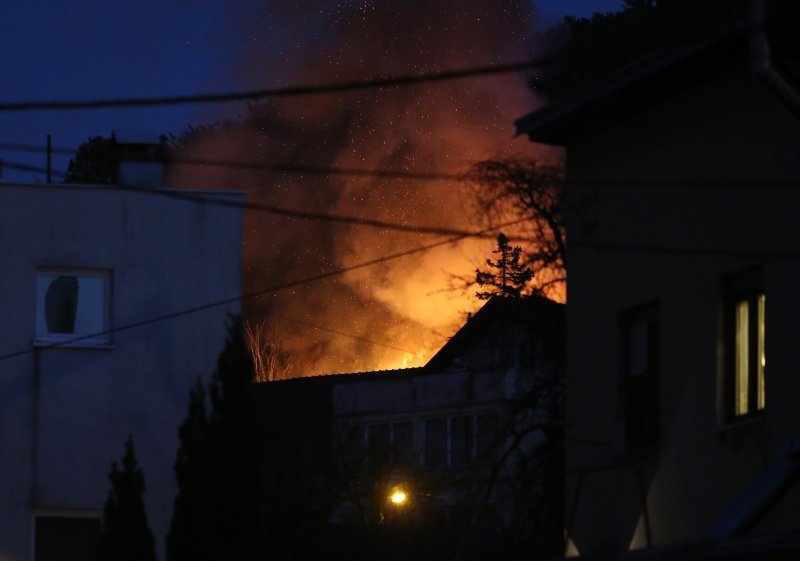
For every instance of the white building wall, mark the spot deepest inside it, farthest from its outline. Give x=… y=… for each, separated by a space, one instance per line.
x=65 y=412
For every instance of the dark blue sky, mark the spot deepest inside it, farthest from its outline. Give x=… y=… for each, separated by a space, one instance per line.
x=117 y=48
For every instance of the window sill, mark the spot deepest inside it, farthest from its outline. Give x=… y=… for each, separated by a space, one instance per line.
x=739 y=423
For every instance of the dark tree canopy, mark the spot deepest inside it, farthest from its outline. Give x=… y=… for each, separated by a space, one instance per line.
x=508 y=275
x=216 y=512
x=94 y=162
x=591 y=50
x=126 y=535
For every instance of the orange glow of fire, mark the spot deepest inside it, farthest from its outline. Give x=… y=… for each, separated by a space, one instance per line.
x=403 y=303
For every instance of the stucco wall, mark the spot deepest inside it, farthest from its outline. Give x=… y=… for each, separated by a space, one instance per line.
x=727 y=128
x=65 y=413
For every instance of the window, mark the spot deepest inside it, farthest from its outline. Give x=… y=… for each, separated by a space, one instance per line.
x=380 y=443
x=72 y=304
x=460 y=440
x=435 y=442
x=744 y=335
x=66 y=538
x=455 y=441
x=402 y=444
x=639 y=327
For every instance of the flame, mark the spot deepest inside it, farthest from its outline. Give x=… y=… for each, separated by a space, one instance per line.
x=444 y=127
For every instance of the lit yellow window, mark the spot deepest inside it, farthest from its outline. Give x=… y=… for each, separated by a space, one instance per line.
x=742 y=357
x=749 y=356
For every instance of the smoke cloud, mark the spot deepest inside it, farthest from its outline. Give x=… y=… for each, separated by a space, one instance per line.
x=443 y=127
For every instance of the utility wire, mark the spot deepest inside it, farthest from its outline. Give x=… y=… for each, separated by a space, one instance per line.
x=282 y=211
x=415 y=175
x=288 y=91
x=257 y=166
x=254 y=294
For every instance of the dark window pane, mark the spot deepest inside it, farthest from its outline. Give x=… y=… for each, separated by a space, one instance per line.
x=378 y=443
x=460 y=440
x=71 y=304
x=436 y=442
x=355 y=448
x=66 y=539
x=640 y=368
x=401 y=443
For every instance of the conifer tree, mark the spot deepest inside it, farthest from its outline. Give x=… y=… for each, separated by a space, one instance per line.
x=509 y=277
x=126 y=535
x=217 y=507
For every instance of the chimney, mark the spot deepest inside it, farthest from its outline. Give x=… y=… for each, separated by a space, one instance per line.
x=142 y=158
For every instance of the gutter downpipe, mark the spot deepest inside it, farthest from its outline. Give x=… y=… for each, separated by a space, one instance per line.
x=761 y=62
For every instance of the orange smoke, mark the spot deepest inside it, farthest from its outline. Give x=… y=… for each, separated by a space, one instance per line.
x=398 y=312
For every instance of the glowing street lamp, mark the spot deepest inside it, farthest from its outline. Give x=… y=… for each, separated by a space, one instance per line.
x=398 y=496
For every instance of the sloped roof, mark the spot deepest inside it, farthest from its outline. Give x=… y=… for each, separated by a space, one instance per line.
x=495 y=322
x=658 y=74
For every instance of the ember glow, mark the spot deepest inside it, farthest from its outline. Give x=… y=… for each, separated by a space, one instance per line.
x=398 y=313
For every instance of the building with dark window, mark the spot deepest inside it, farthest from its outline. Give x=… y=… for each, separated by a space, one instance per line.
x=684 y=268
x=85 y=269
x=469 y=444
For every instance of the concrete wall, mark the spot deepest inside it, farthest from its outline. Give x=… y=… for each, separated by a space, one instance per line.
x=65 y=412
x=726 y=128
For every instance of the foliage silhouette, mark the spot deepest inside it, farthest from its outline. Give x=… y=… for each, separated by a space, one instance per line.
x=126 y=535
x=509 y=278
x=217 y=509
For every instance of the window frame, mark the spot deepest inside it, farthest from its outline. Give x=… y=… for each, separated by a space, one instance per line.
x=358 y=438
x=471 y=434
x=66 y=514
x=95 y=338
x=645 y=384
x=744 y=287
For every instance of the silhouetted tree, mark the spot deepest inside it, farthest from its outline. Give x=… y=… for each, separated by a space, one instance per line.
x=531 y=190
x=217 y=507
x=509 y=276
x=126 y=535
x=94 y=162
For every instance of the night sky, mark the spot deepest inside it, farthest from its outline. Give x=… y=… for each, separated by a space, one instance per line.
x=101 y=48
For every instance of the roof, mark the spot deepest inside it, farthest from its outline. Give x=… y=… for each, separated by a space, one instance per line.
x=552 y=123
x=660 y=73
x=493 y=321
x=496 y=320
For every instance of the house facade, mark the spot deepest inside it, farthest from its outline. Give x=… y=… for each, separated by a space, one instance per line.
x=459 y=437
x=684 y=263
x=451 y=457
x=95 y=348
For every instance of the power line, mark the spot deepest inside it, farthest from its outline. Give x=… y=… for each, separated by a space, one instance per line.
x=261 y=292
x=285 y=212
x=415 y=175
x=288 y=91
x=255 y=166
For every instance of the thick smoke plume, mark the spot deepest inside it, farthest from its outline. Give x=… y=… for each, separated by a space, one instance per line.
x=444 y=127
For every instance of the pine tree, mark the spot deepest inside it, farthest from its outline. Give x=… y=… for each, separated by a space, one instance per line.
x=509 y=278
x=218 y=503
x=126 y=535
